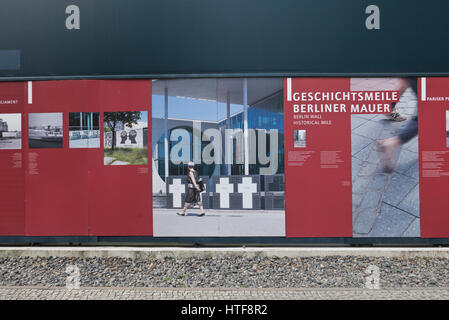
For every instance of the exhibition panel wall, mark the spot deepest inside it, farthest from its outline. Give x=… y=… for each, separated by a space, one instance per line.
x=354 y=158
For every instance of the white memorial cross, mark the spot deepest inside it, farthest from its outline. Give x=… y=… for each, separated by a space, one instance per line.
x=177 y=189
x=247 y=188
x=224 y=188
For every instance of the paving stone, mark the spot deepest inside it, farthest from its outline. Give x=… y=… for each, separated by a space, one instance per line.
x=365 y=221
x=380 y=181
x=361 y=185
x=413 y=171
x=372 y=199
x=364 y=153
x=374 y=156
x=366 y=116
x=358 y=143
x=391 y=222
x=378 y=117
x=367 y=169
x=420 y=293
x=411 y=202
x=356 y=200
x=406 y=160
x=369 y=129
x=413 y=230
x=398 y=188
x=356 y=165
x=357 y=121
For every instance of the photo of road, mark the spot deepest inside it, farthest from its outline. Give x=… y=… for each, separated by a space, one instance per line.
x=45 y=130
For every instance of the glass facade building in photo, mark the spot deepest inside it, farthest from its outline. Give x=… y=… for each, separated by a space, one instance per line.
x=238 y=104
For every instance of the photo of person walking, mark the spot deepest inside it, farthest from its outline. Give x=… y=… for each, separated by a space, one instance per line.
x=194 y=189
x=233 y=131
x=389 y=146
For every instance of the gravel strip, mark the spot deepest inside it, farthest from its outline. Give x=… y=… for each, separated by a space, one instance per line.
x=230 y=272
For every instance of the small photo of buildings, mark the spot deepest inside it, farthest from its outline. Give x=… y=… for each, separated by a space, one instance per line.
x=84 y=130
x=10 y=131
x=126 y=138
x=300 y=138
x=45 y=130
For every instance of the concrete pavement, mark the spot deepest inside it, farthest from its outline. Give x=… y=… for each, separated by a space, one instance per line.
x=219 y=223
x=91 y=293
x=179 y=252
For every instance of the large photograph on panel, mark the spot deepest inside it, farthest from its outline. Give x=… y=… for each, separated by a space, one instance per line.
x=385 y=169
x=228 y=135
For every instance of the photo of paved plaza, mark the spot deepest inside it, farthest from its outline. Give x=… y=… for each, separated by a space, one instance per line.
x=221 y=223
x=384 y=204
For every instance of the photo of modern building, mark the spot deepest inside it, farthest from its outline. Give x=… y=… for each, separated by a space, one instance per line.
x=84 y=130
x=300 y=138
x=10 y=131
x=126 y=138
x=45 y=130
x=204 y=121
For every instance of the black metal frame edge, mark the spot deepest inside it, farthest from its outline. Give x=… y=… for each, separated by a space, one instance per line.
x=217 y=241
x=5 y=78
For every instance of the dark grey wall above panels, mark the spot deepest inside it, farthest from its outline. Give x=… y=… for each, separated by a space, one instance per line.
x=166 y=38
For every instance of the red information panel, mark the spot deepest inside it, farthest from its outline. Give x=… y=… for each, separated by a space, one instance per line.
x=12 y=172
x=58 y=177
x=121 y=190
x=434 y=145
x=335 y=185
x=318 y=175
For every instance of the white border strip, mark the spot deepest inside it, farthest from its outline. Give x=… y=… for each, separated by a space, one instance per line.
x=289 y=89
x=423 y=89
x=30 y=92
